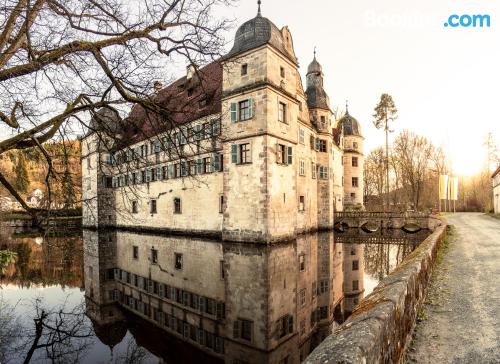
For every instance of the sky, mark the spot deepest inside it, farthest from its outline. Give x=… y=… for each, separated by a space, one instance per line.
x=443 y=80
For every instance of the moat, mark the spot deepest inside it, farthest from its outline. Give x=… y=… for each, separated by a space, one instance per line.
x=115 y=296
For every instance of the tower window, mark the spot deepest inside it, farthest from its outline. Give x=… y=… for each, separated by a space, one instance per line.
x=178 y=261
x=154 y=256
x=245 y=110
x=282 y=72
x=177 y=206
x=244 y=69
x=354 y=161
x=153 y=209
x=302 y=262
x=355 y=285
x=135 y=252
x=134 y=207
x=301 y=203
x=354 y=145
x=355 y=182
x=282 y=112
x=355 y=265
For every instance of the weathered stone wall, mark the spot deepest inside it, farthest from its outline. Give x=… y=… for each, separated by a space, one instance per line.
x=379 y=329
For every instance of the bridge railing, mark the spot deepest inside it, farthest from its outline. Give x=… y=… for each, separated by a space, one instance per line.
x=379 y=215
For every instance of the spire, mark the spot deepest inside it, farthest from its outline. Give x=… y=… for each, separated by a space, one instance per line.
x=347 y=107
x=259 y=12
x=314 y=52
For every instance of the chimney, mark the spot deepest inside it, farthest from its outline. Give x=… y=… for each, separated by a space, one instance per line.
x=158 y=85
x=191 y=71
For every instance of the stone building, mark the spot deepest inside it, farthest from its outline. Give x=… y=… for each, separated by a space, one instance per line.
x=495 y=179
x=244 y=155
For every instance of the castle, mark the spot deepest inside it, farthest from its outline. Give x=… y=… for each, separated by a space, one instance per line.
x=245 y=155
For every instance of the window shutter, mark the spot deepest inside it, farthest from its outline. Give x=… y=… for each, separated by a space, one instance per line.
x=311 y=140
x=170 y=171
x=252 y=107
x=236 y=329
x=278 y=153
x=290 y=155
x=217 y=162
x=234 y=112
x=234 y=153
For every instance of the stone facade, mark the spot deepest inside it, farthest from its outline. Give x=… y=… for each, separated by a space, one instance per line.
x=265 y=166
x=495 y=178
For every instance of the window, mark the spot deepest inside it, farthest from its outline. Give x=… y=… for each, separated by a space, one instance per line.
x=302 y=136
x=353 y=251
x=241 y=153
x=354 y=145
x=282 y=72
x=221 y=204
x=88 y=163
x=353 y=195
x=321 y=145
x=355 y=285
x=282 y=112
x=354 y=181
x=355 y=265
x=245 y=110
x=153 y=207
x=177 y=206
x=313 y=170
x=323 y=122
x=302 y=167
x=222 y=271
x=154 y=256
x=242 y=329
x=178 y=261
x=323 y=172
x=135 y=252
x=313 y=290
x=285 y=325
x=281 y=154
x=302 y=297
x=244 y=69
x=303 y=327
x=207 y=164
x=302 y=262
x=323 y=286
x=302 y=203
x=354 y=161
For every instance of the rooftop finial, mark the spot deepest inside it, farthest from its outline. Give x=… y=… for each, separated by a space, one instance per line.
x=347 y=107
x=314 y=52
x=259 y=2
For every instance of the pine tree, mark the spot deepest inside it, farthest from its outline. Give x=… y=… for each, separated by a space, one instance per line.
x=22 y=180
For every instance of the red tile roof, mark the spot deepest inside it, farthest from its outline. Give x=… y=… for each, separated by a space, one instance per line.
x=186 y=101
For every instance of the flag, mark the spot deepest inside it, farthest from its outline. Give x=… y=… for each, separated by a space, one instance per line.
x=443 y=186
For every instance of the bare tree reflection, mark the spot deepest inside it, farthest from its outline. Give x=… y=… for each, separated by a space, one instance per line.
x=60 y=334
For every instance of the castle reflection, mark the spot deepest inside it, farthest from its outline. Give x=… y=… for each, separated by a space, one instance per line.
x=193 y=300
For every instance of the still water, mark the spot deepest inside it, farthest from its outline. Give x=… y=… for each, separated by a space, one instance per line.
x=122 y=297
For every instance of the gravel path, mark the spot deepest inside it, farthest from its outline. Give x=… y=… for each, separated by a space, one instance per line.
x=460 y=322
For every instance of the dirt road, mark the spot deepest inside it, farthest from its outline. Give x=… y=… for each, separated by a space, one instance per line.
x=460 y=322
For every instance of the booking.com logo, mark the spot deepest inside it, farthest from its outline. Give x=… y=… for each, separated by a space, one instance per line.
x=468 y=21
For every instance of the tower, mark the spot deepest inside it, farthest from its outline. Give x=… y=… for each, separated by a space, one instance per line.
x=353 y=162
x=98 y=197
x=318 y=103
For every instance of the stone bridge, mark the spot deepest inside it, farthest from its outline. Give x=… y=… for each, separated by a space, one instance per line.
x=374 y=221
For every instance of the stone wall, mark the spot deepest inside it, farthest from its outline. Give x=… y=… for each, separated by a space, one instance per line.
x=381 y=326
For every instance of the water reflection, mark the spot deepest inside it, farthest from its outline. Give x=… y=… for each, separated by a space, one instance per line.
x=162 y=299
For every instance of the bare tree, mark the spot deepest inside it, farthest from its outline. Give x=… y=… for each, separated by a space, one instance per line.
x=413 y=153
x=61 y=61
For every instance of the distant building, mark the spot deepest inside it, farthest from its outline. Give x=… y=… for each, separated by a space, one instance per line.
x=496 y=190
x=35 y=198
x=267 y=159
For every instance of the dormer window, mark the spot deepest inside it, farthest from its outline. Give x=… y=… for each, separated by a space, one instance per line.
x=244 y=69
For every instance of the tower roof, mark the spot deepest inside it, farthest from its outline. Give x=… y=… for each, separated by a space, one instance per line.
x=257 y=32
x=316 y=95
x=350 y=125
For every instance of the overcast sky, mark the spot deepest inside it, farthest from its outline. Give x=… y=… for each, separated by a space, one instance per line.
x=445 y=81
